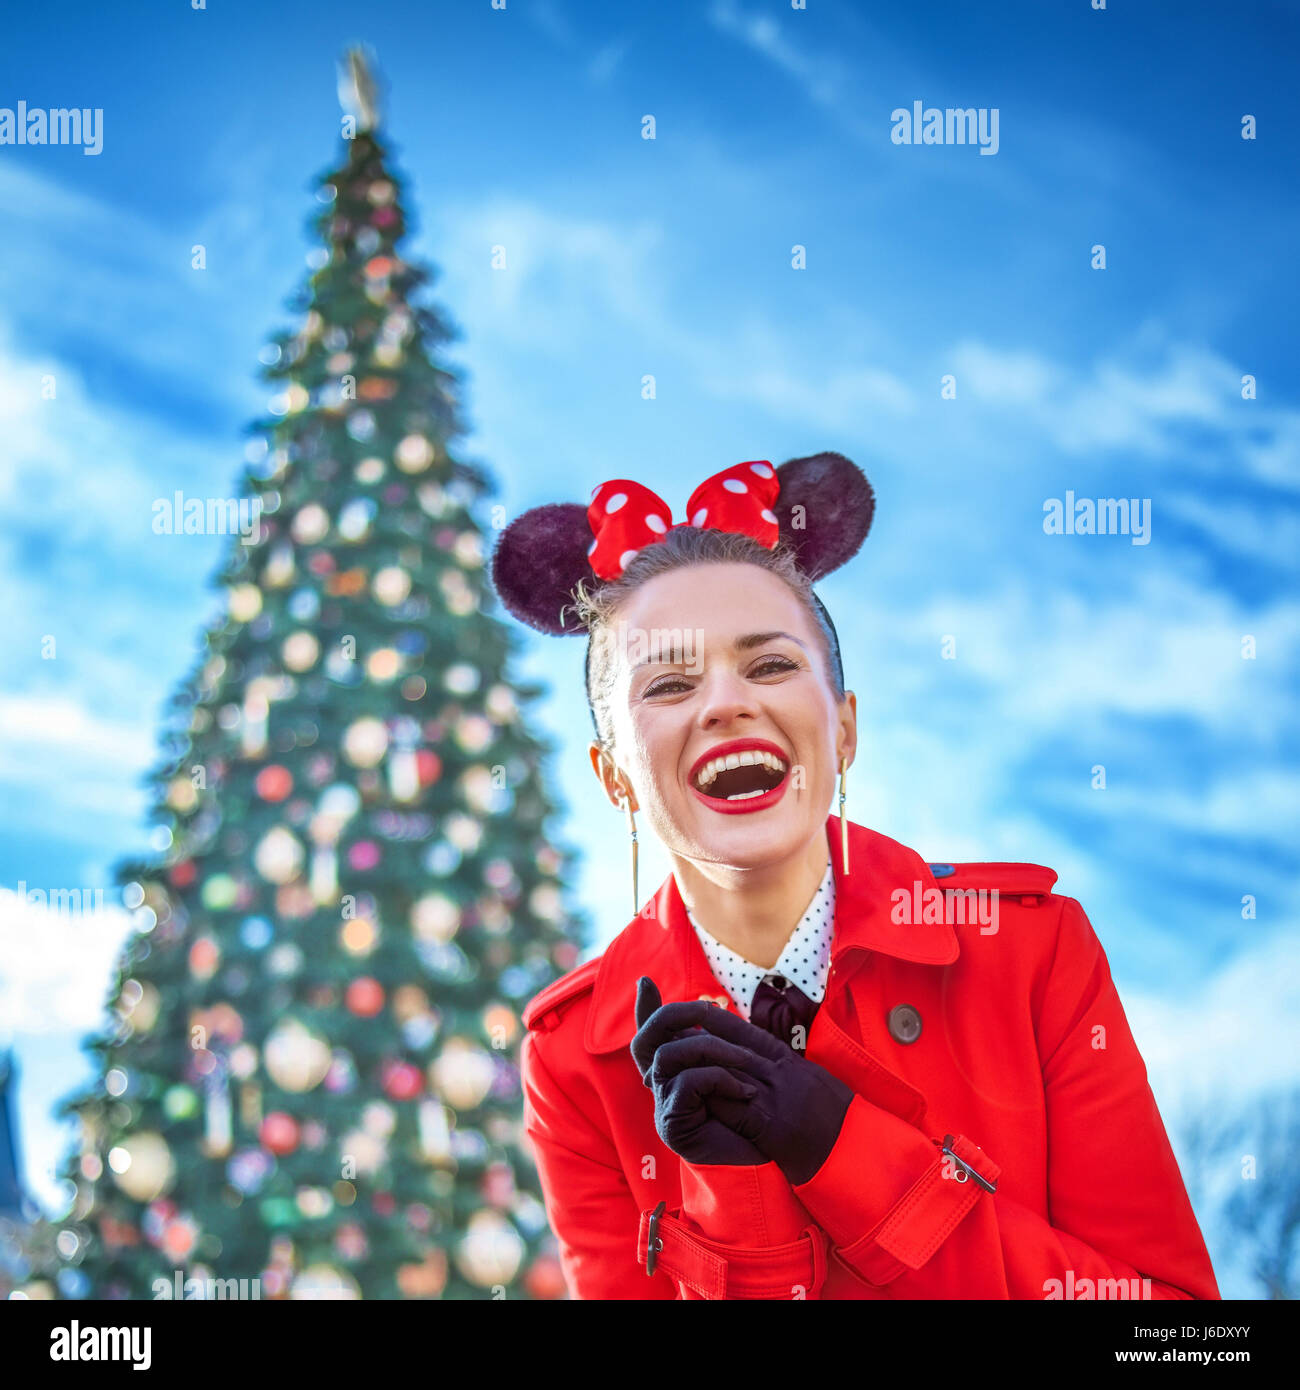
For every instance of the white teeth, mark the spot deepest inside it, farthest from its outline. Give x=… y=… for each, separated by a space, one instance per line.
x=751 y=755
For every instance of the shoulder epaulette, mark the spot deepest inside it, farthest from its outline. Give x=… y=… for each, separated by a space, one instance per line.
x=1030 y=882
x=560 y=992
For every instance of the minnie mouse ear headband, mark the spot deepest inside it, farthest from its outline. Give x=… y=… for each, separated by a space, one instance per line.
x=821 y=506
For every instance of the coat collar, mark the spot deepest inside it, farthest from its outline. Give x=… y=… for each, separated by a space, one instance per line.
x=661 y=943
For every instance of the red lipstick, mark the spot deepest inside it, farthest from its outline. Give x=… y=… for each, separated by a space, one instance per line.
x=742 y=806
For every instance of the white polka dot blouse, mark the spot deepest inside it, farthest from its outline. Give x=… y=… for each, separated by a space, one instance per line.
x=806 y=959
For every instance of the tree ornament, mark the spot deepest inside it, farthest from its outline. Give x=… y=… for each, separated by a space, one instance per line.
x=314 y=1202
x=498 y=1184
x=426 y=1279
x=179 y=1238
x=434 y=1131
x=217 y=1127
x=253 y=722
x=300 y=651
x=248 y=1170
x=402 y=1080
x=462 y=1073
x=383 y=665
x=350 y=1241
x=480 y=790
x=273 y=782
x=356 y=518
x=545 y=1278
x=279 y=569
x=435 y=917
x=279 y=855
x=363 y=856
x=180 y=1102
x=142 y=1010
x=204 y=958
x=365 y=742
x=142 y=1165
x=219 y=893
x=342 y=1075
x=243 y=602
x=358 y=936
x=182 y=795
x=501 y=1024
x=465 y=832
x=365 y=1151
x=490 y=1251
x=414 y=454
x=364 y=997
x=296 y=1058
x=311 y=525
x=182 y=873
x=279 y=1133
x=324 y=875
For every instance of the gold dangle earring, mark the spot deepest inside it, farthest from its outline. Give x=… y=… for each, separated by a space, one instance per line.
x=636 y=897
x=844 y=824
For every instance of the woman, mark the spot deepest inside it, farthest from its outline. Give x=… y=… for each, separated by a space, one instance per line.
x=812 y=1066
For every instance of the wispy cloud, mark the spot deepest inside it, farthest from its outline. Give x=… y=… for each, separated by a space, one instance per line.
x=603 y=66
x=825 y=79
x=55 y=964
x=556 y=24
x=1171 y=401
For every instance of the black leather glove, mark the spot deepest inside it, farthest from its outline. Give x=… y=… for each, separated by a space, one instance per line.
x=797 y=1109
x=674 y=1062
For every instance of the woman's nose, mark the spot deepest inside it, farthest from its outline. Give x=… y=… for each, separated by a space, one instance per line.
x=725 y=696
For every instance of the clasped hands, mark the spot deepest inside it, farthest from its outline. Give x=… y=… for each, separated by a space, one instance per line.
x=728 y=1092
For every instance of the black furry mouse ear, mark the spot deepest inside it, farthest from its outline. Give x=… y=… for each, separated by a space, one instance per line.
x=824 y=511
x=538 y=559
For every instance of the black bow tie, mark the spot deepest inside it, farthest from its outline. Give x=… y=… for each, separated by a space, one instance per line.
x=779 y=1007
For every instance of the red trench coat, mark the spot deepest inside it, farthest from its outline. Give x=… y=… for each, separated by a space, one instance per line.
x=1024 y=1058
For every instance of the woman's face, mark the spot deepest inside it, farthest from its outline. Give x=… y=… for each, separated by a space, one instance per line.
x=709 y=656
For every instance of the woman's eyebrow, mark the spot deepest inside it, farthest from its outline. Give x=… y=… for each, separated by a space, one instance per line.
x=756 y=639
x=673 y=656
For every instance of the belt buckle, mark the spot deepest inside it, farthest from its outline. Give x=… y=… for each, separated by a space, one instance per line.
x=653 y=1244
x=966 y=1170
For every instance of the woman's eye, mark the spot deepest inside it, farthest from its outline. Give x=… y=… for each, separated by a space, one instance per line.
x=668 y=686
x=771 y=664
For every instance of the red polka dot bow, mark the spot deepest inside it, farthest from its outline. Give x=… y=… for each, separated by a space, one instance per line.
x=625 y=516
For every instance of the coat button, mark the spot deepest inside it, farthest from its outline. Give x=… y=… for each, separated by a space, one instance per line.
x=904 y=1023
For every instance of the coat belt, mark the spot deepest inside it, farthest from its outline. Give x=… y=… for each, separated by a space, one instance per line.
x=717 y=1271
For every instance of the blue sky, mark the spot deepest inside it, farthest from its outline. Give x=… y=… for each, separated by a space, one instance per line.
x=673 y=257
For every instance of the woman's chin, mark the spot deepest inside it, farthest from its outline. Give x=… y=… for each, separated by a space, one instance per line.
x=749 y=839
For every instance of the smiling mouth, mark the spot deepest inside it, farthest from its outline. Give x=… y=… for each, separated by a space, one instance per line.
x=741 y=776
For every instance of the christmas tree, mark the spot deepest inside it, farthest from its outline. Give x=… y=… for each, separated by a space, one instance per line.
x=310 y=1073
